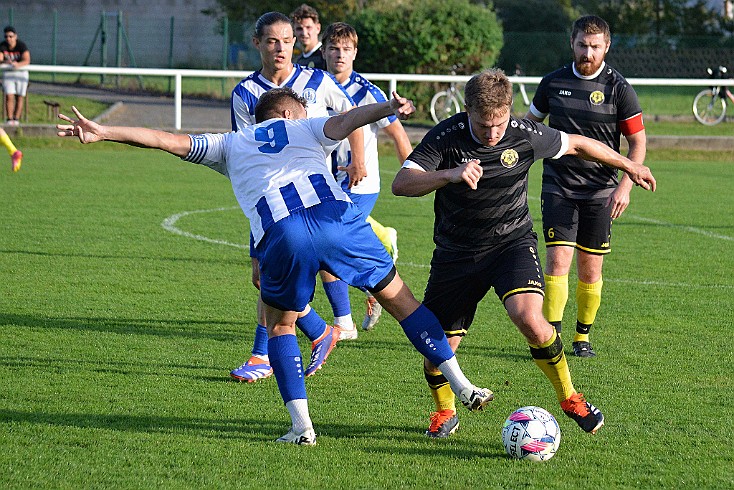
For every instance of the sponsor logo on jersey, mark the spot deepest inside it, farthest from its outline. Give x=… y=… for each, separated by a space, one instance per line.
x=596 y=97
x=509 y=158
x=564 y=92
x=310 y=95
x=513 y=123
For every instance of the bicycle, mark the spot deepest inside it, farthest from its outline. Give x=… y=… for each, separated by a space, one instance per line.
x=709 y=106
x=448 y=102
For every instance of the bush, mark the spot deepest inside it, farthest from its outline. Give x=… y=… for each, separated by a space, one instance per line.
x=426 y=37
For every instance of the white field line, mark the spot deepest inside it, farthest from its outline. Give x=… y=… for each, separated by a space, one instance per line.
x=169 y=224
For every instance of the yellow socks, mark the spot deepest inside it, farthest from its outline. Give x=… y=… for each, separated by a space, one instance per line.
x=551 y=360
x=443 y=397
x=556 y=296
x=588 y=299
x=5 y=140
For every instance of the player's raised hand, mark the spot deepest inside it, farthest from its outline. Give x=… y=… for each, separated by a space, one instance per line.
x=87 y=131
x=402 y=107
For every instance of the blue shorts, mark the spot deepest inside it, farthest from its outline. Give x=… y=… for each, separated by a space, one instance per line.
x=365 y=202
x=331 y=236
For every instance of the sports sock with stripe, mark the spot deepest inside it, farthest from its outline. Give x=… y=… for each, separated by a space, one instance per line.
x=551 y=360
x=588 y=300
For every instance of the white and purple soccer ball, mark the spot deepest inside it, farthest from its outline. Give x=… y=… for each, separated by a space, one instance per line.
x=531 y=433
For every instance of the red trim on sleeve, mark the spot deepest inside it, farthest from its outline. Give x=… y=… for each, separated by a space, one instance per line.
x=632 y=125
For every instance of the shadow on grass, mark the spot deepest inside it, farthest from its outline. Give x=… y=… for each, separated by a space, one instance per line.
x=162 y=327
x=60 y=365
x=195 y=260
x=516 y=350
x=256 y=430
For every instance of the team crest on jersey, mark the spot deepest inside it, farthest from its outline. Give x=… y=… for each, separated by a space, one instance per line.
x=509 y=158
x=310 y=95
x=596 y=97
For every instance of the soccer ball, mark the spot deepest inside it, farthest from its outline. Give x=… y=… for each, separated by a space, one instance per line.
x=531 y=433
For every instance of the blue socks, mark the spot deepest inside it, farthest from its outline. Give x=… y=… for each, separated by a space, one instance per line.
x=260 y=345
x=312 y=325
x=337 y=293
x=285 y=359
x=427 y=336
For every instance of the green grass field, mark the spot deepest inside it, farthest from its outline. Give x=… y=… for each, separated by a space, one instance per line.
x=117 y=336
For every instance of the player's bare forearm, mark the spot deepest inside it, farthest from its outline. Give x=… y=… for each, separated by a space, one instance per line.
x=593 y=150
x=412 y=182
x=357 y=169
x=339 y=127
x=90 y=132
x=402 y=143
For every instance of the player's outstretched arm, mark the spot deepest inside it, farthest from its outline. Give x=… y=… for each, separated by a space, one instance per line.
x=338 y=127
x=90 y=132
x=590 y=149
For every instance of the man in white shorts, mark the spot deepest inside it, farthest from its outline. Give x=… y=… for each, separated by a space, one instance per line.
x=15 y=81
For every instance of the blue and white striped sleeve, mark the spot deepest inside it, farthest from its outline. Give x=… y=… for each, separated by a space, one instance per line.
x=208 y=150
x=377 y=95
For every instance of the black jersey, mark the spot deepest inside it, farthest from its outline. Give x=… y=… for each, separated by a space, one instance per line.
x=497 y=211
x=596 y=108
x=14 y=54
x=316 y=60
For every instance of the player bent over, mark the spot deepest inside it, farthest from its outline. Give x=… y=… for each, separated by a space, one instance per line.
x=298 y=216
x=478 y=162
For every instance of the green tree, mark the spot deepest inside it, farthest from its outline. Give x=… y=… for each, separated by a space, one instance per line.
x=249 y=10
x=538 y=43
x=427 y=37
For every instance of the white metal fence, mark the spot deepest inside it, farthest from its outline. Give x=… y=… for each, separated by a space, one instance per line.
x=393 y=79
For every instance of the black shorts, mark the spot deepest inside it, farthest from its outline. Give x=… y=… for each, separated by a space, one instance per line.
x=582 y=223
x=459 y=280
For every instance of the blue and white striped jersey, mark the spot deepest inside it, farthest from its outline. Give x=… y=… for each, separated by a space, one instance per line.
x=276 y=167
x=318 y=87
x=363 y=92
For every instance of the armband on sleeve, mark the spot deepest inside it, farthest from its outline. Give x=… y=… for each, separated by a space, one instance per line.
x=632 y=124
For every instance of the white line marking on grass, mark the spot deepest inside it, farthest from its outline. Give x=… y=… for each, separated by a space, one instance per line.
x=670 y=284
x=690 y=229
x=169 y=224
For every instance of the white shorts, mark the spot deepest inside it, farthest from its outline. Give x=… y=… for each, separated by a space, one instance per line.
x=15 y=82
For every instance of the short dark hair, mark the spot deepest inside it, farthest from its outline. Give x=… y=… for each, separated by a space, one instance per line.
x=489 y=93
x=591 y=24
x=339 y=31
x=305 y=12
x=10 y=29
x=269 y=19
x=273 y=102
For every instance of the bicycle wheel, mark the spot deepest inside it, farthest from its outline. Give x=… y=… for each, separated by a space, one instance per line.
x=443 y=106
x=709 y=108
